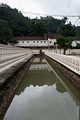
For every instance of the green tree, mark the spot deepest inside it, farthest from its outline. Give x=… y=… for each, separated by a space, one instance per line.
x=6 y=34
x=17 y=22
x=77 y=31
x=65 y=43
x=64 y=20
x=37 y=28
x=68 y=30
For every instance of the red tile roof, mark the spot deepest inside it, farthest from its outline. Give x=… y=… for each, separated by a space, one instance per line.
x=30 y=38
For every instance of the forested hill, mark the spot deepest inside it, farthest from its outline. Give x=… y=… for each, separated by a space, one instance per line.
x=13 y=23
x=22 y=26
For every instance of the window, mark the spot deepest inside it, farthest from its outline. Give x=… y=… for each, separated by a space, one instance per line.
x=50 y=42
x=37 y=41
x=27 y=41
x=33 y=41
x=54 y=43
x=22 y=41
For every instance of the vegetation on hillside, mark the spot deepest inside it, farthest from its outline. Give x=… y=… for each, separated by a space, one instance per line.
x=13 y=23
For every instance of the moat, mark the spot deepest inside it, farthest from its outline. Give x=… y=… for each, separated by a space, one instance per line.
x=43 y=95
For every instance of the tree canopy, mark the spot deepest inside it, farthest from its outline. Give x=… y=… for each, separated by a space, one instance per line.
x=18 y=25
x=24 y=26
x=64 y=42
x=6 y=34
x=68 y=30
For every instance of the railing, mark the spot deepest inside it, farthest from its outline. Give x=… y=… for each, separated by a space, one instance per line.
x=11 y=56
x=7 y=52
x=71 y=62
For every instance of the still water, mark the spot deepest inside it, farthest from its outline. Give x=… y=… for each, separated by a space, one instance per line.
x=42 y=96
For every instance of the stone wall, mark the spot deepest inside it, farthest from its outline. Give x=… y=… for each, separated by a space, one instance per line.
x=8 y=89
x=64 y=72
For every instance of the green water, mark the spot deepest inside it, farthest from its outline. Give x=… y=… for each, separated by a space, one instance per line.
x=42 y=96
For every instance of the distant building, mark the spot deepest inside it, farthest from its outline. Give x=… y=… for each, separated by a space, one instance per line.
x=75 y=43
x=32 y=42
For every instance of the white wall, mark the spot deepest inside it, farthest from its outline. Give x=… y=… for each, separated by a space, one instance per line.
x=71 y=62
x=51 y=42
x=36 y=43
x=75 y=42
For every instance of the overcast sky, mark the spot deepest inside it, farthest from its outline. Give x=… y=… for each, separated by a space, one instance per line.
x=59 y=7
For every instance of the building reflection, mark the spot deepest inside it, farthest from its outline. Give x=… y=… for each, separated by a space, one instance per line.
x=40 y=74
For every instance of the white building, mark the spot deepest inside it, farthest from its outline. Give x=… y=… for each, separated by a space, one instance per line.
x=75 y=43
x=35 y=42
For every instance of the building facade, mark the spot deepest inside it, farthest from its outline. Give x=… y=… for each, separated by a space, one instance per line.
x=35 y=42
x=75 y=43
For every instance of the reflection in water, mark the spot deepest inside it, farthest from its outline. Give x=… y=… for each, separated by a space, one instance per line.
x=40 y=74
x=41 y=96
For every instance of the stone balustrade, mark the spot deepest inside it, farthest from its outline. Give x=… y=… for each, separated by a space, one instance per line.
x=7 y=52
x=11 y=56
x=71 y=62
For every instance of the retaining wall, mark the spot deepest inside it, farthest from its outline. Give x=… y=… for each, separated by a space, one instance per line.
x=71 y=62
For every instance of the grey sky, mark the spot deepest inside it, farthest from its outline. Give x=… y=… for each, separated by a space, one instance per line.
x=63 y=7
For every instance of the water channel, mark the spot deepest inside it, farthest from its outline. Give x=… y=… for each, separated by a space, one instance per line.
x=42 y=96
